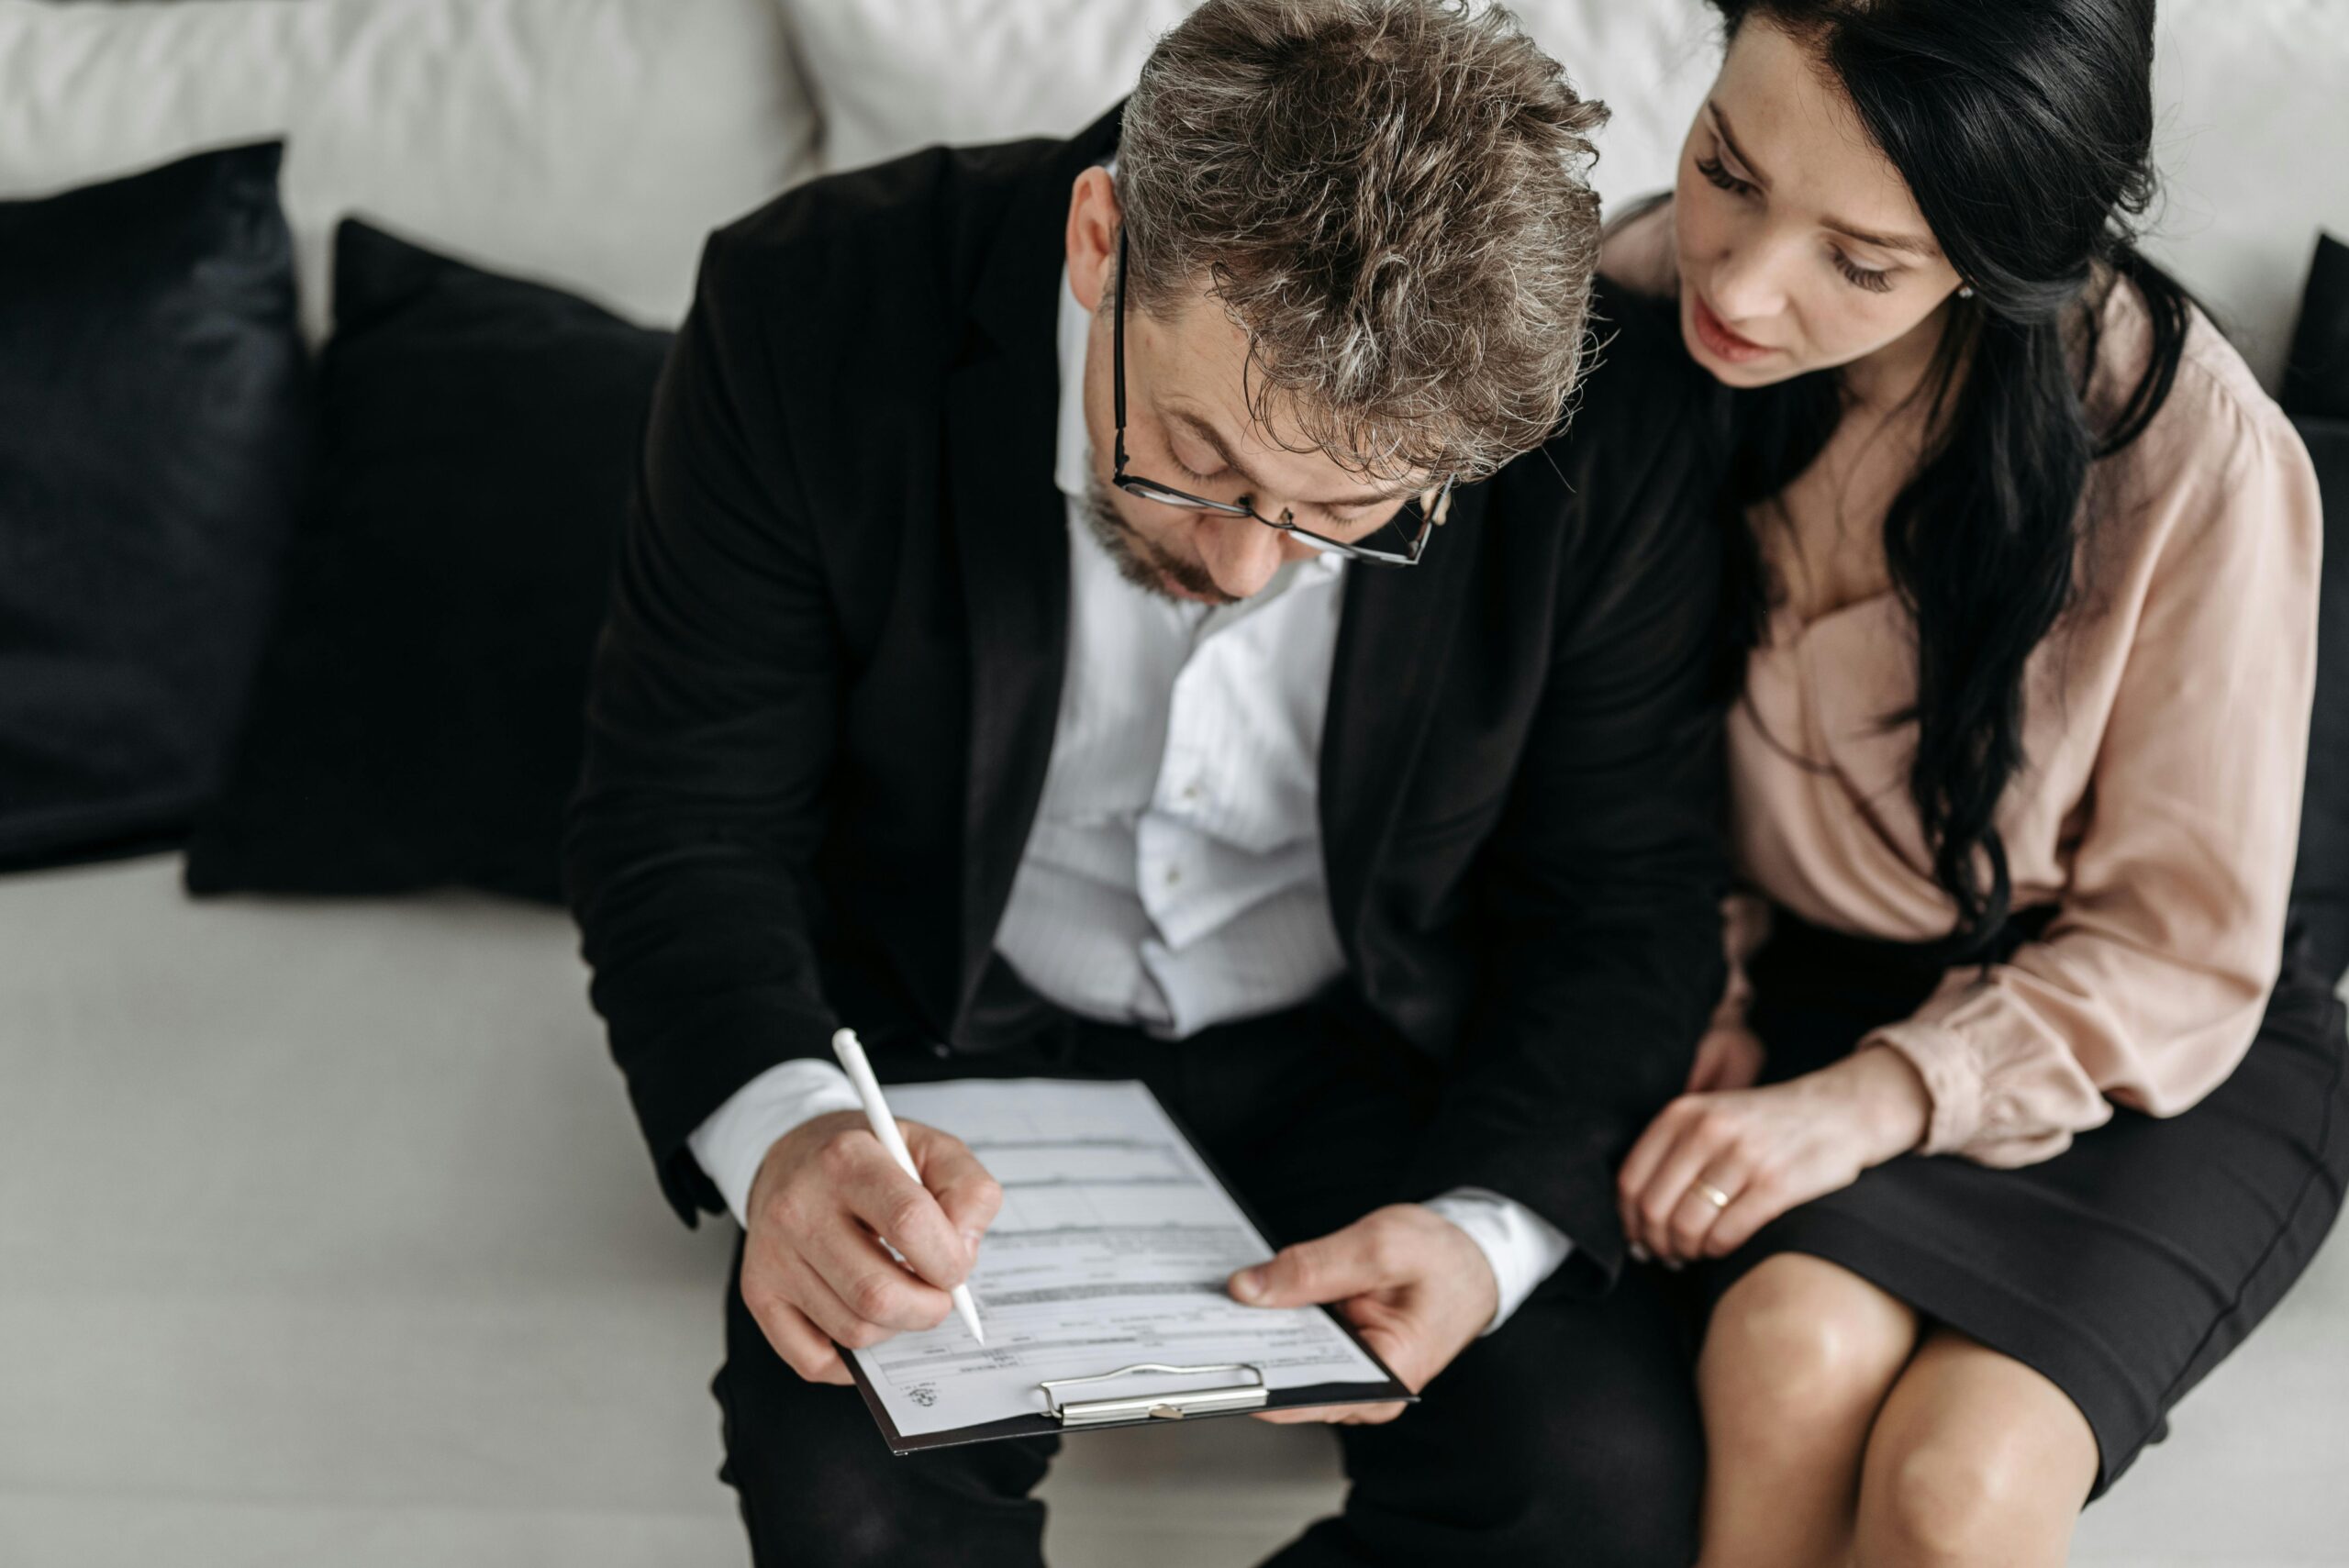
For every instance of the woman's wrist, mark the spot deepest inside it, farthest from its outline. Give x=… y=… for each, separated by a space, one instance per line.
x=1889 y=1096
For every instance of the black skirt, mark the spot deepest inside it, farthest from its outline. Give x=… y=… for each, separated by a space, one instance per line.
x=2123 y=1268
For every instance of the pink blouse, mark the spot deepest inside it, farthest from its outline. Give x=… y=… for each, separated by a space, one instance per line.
x=2165 y=731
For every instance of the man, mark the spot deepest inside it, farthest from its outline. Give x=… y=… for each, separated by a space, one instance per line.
x=1070 y=625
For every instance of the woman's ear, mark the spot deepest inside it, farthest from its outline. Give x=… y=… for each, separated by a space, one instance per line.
x=1093 y=219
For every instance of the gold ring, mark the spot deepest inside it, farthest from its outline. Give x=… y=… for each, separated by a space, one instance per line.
x=1713 y=1195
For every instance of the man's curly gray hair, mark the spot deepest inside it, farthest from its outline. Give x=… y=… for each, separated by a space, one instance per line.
x=1391 y=198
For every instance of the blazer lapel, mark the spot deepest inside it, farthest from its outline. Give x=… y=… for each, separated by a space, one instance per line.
x=1393 y=642
x=1009 y=525
x=1012 y=535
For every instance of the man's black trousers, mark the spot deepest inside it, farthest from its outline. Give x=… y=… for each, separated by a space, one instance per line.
x=1568 y=1436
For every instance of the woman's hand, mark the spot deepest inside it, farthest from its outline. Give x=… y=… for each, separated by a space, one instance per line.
x=1715 y=1167
x=1728 y=1057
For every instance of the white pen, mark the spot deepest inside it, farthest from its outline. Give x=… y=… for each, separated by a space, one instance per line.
x=884 y=1127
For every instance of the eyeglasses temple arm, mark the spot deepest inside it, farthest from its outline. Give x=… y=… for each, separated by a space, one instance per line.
x=1118 y=336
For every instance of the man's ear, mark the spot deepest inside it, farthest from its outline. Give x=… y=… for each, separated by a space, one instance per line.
x=1093 y=219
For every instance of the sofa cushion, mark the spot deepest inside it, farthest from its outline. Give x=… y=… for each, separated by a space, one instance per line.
x=152 y=409
x=417 y=719
x=2316 y=376
x=586 y=143
x=893 y=75
x=2243 y=89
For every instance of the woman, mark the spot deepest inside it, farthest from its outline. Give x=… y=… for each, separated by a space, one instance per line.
x=2001 y=1143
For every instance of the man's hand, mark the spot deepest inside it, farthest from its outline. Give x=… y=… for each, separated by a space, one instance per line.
x=815 y=1274
x=1411 y=1281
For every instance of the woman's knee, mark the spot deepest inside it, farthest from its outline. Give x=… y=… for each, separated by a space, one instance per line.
x=1940 y=1501
x=1974 y=1459
x=1798 y=1334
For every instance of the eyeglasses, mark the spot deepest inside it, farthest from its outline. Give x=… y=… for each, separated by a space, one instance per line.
x=1413 y=522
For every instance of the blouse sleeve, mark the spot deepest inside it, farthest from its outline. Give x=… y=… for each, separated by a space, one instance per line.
x=2150 y=984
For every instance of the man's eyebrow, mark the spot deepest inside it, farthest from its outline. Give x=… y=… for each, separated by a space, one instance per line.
x=1904 y=242
x=1207 y=433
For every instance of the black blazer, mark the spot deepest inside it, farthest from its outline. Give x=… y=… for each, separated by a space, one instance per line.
x=825 y=697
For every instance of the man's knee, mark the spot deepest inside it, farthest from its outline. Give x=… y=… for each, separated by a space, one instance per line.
x=1621 y=1489
x=817 y=1483
x=1570 y=1436
x=836 y=1495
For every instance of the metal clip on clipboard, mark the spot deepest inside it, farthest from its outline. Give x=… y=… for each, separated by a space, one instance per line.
x=1160 y=1407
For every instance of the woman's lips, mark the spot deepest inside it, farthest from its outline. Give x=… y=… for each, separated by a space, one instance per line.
x=1718 y=339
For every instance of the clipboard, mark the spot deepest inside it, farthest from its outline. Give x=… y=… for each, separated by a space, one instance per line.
x=1144 y=1394
x=1132 y=1402
x=1245 y=1396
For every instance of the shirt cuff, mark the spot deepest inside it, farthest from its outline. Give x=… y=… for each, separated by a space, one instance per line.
x=1522 y=1248
x=733 y=1142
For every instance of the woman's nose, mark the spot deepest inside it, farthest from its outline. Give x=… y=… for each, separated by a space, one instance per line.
x=1745 y=283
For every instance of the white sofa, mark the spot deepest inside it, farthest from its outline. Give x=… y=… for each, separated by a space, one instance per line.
x=325 y=1235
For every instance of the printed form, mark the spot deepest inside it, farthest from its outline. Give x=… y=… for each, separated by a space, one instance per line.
x=1112 y=1248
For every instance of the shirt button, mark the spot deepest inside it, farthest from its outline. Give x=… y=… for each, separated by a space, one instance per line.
x=1191 y=792
x=1174 y=876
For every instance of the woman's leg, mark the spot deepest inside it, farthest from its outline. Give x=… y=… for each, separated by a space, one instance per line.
x=1797 y=1359
x=1975 y=1460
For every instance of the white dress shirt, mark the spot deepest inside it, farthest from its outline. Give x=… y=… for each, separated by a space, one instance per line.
x=1173 y=878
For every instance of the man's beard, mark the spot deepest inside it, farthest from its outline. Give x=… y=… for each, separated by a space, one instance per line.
x=1140 y=563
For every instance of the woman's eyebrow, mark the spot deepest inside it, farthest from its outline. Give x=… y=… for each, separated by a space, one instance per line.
x=1720 y=124
x=1909 y=243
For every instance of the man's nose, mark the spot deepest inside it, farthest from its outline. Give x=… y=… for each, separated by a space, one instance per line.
x=1241 y=554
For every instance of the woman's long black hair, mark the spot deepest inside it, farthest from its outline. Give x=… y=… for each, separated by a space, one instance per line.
x=2024 y=130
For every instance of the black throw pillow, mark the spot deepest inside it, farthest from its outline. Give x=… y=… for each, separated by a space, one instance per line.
x=152 y=411
x=2316 y=376
x=417 y=721
x=2319 y=924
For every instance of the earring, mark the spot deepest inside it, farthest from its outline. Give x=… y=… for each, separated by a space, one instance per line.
x=1966 y=291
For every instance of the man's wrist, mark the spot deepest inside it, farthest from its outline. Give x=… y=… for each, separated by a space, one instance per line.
x=818 y=1128
x=1519 y=1247
x=732 y=1144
